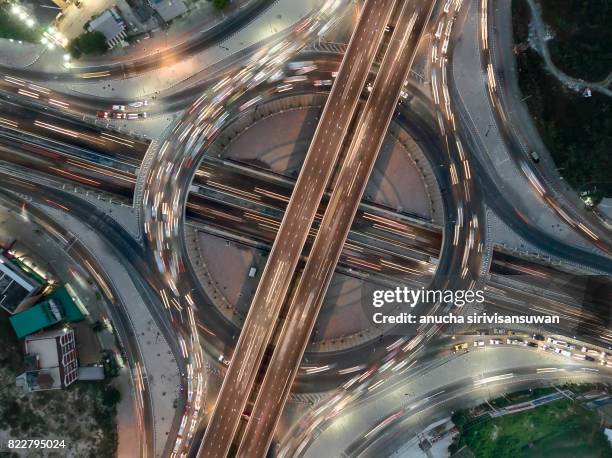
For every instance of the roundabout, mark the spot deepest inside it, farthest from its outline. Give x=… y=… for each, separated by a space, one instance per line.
x=271 y=140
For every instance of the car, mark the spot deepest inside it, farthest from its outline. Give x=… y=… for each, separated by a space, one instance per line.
x=539 y=337
x=304 y=70
x=563 y=352
x=479 y=343
x=118 y=115
x=322 y=83
x=460 y=346
x=535 y=157
x=515 y=342
x=591 y=351
x=102 y=114
x=299 y=65
x=560 y=343
x=532 y=344
x=295 y=79
x=139 y=103
x=495 y=341
x=119 y=107
x=137 y=115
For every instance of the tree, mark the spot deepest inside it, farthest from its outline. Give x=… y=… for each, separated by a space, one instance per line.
x=88 y=43
x=220 y=4
x=111 y=396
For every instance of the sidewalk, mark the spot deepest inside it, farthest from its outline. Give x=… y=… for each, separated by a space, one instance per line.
x=42 y=250
x=202 y=16
x=284 y=14
x=161 y=368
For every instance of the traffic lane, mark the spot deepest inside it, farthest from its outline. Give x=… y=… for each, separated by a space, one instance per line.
x=407 y=424
x=574 y=320
x=346 y=195
x=69 y=104
x=27 y=120
x=263 y=228
x=159 y=102
x=49 y=161
x=522 y=299
x=509 y=212
x=225 y=179
x=579 y=286
x=383 y=231
x=463 y=248
x=285 y=254
x=476 y=370
x=156 y=103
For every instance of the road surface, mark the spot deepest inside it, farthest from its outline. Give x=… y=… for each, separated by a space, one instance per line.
x=344 y=201
x=294 y=229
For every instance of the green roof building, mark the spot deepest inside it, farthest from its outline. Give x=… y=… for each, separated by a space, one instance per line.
x=37 y=317
x=72 y=311
x=58 y=306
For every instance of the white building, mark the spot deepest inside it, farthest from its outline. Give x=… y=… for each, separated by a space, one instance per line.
x=17 y=289
x=168 y=9
x=51 y=360
x=109 y=24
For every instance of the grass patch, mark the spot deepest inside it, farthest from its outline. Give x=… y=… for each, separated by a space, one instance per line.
x=582 y=45
x=559 y=429
x=576 y=130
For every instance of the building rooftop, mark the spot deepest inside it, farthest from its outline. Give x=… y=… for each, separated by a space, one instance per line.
x=168 y=9
x=37 y=317
x=71 y=310
x=43 y=379
x=51 y=360
x=108 y=24
x=17 y=283
x=45 y=349
x=58 y=306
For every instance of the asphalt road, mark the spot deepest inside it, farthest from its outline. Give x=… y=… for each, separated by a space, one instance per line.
x=129 y=251
x=522 y=138
x=48 y=155
x=348 y=189
x=370 y=409
x=282 y=261
x=82 y=256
